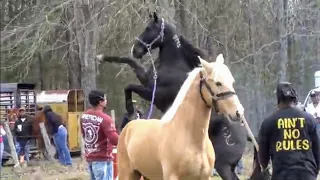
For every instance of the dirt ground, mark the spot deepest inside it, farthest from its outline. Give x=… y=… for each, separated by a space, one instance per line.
x=46 y=170
x=53 y=171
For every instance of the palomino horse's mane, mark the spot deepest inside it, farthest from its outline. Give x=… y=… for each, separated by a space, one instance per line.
x=168 y=116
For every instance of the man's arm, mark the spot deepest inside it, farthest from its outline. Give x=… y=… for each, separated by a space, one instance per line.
x=315 y=139
x=310 y=109
x=81 y=126
x=110 y=130
x=2 y=131
x=263 y=141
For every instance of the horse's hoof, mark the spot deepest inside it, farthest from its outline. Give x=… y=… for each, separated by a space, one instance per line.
x=100 y=57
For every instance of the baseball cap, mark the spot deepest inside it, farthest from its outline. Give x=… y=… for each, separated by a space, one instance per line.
x=22 y=109
x=285 y=89
x=97 y=94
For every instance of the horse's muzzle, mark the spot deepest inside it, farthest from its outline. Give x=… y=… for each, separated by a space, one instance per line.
x=138 y=51
x=236 y=118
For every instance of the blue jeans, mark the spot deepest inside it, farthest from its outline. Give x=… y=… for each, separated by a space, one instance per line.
x=23 y=148
x=60 y=140
x=101 y=170
x=1 y=153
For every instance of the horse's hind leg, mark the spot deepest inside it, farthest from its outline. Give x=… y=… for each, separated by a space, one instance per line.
x=226 y=171
x=126 y=172
x=144 y=92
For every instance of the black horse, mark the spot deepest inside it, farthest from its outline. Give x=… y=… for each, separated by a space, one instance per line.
x=177 y=57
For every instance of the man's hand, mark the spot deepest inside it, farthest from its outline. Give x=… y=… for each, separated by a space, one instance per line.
x=266 y=174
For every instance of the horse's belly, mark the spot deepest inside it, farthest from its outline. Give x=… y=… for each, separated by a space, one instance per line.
x=150 y=169
x=146 y=161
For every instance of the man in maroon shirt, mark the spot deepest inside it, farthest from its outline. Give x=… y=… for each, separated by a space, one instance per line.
x=100 y=136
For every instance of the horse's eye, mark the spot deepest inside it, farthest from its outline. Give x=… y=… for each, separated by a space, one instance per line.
x=148 y=29
x=218 y=84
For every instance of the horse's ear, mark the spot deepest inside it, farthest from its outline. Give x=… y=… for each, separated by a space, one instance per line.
x=206 y=65
x=155 y=16
x=220 y=59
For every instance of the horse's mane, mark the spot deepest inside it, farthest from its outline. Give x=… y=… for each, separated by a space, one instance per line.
x=168 y=116
x=191 y=53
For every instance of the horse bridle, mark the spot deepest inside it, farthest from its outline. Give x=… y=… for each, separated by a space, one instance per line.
x=215 y=97
x=160 y=36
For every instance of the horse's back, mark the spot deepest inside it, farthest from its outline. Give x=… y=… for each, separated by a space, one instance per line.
x=138 y=129
x=138 y=146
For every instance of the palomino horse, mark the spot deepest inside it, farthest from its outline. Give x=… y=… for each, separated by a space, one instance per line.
x=176 y=58
x=178 y=146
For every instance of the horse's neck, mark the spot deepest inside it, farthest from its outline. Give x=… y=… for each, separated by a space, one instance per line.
x=170 y=55
x=192 y=116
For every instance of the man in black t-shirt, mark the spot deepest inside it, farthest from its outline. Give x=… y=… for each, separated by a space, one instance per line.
x=290 y=138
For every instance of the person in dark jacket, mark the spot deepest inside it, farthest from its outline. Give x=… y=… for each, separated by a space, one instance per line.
x=138 y=111
x=60 y=135
x=23 y=132
x=138 y=115
x=290 y=138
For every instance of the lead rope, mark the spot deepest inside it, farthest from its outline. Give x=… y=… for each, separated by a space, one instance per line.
x=155 y=77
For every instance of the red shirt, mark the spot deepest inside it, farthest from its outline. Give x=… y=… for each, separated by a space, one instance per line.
x=99 y=135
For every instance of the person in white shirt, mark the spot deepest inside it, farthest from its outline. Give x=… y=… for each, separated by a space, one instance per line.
x=314 y=107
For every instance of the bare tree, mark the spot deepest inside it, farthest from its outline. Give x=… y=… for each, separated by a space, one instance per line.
x=87 y=34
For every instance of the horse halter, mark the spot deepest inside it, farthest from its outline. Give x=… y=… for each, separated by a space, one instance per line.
x=161 y=35
x=215 y=97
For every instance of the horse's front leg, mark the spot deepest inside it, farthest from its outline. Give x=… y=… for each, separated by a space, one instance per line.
x=137 y=67
x=142 y=91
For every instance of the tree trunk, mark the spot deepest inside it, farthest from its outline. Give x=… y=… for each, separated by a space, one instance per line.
x=168 y=10
x=282 y=25
x=74 y=66
x=87 y=33
x=185 y=21
x=41 y=73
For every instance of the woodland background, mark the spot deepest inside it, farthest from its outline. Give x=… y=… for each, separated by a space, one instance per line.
x=53 y=43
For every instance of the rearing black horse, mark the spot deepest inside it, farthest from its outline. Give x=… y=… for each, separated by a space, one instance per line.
x=177 y=57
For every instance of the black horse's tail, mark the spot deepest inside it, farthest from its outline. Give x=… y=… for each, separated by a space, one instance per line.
x=257 y=171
